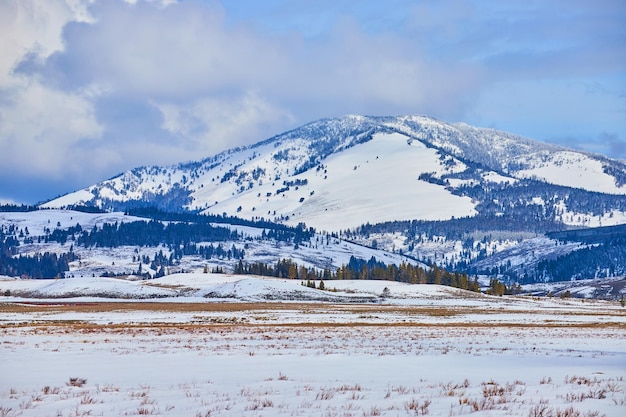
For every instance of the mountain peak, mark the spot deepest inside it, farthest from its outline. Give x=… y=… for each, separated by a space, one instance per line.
x=342 y=172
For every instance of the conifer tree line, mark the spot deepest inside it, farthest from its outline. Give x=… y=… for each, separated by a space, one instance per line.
x=17 y=208
x=152 y=233
x=369 y=270
x=49 y=265
x=46 y=265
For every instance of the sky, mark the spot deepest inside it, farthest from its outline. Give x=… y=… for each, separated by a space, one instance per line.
x=92 y=88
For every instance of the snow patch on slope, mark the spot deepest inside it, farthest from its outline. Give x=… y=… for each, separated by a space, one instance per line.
x=37 y=221
x=359 y=185
x=571 y=169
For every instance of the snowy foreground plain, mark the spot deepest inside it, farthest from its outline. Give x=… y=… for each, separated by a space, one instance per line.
x=262 y=347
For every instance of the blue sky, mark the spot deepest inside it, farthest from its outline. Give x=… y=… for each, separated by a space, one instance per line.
x=89 y=89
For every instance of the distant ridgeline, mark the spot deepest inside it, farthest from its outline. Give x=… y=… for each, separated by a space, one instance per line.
x=595 y=252
x=601 y=251
x=605 y=251
x=179 y=232
x=490 y=211
x=21 y=208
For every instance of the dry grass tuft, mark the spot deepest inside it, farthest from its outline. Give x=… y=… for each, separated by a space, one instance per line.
x=543 y=410
x=76 y=382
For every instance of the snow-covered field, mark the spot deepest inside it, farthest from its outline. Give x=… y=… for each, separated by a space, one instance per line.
x=421 y=350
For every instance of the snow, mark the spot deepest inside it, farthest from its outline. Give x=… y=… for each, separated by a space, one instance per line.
x=609 y=218
x=351 y=180
x=528 y=252
x=77 y=197
x=367 y=196
x=588 y=288
x=194 y=287
x=351 y=190
x=485 y=356
x=497 y=178
x=357 y=181
x=37 y=221
x=571 y=169
x=320 y=252
x=241 y=287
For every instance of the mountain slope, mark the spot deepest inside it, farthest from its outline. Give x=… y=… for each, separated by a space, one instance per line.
x=464 y=198
x=336 y=174
x=519 y=157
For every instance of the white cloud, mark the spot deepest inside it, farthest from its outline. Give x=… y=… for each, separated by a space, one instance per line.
x=187 y=52
x=219 y=123
x=96 y=87
x=32 y=26
x=219 y=85
x=40 y=127
x=28 y=27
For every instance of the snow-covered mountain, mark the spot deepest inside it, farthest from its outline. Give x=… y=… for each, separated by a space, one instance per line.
x=470 y=199
x=336 y=174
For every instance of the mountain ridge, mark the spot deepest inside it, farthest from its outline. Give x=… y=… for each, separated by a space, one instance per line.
x=446 y=161
x=467 y=198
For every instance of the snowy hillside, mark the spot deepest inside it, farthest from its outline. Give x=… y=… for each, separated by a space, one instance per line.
x=519 y=157
x=464 y=198
x=38 y=232
x=36 y=223
x=89 y=251
x=225 y=286
x=336 y=174
x=193 y=287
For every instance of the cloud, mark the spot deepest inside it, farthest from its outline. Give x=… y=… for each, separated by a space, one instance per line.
x=91 y=88
x=183 y=51
x=217 y=85
x=40 y=127
x=186 y=52
x=615 y=145
x=215 y=122
x=31 y=27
